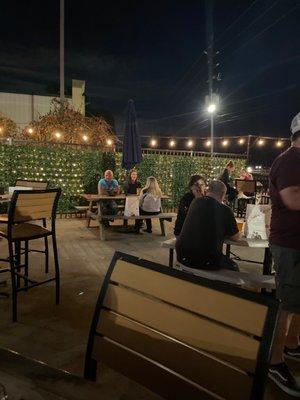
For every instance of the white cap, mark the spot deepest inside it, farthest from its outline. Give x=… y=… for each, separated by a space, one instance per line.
x=295 y=125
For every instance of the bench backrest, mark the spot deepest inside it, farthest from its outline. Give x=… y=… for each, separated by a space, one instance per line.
x=31 y=205
x=35 y=185
x=181 y=336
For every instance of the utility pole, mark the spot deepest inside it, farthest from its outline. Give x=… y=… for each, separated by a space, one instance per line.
x=210 y=60
x=62 y=51
x=248 y=148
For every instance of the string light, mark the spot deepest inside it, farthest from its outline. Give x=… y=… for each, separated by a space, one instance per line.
x=207 y=143
x=172 y=143
x=279 y=143
x=57 y=135
x=109 y=142
x=1 y=129
x=85 y=138
x=241 y=141
x=30 y=131
x=190 y=143
x=225 y=142
x=153 y=142
x=261 y=142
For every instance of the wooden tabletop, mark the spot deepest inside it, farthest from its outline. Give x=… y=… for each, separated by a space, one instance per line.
x=99 y=197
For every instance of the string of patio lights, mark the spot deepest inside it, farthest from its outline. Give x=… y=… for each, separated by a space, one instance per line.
x=59 y=136
x=225 y=142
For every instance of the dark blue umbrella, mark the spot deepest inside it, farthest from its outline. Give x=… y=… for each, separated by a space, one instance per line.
x=132 y=149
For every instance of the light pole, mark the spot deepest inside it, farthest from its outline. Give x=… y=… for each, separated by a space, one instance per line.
x=211 y=109
x=62 y=51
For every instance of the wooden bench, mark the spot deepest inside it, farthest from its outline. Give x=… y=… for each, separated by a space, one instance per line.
x=183 y=337
x=244 y=279
x=161 y=216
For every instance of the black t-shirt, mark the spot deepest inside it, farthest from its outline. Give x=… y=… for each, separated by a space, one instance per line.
x=206 y=225
x=131 y=188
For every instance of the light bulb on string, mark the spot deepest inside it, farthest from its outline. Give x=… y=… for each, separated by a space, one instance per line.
x=190 y=143
x=261 y=142
x=225 y=142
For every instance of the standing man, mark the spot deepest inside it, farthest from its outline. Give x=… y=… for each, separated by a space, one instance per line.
x=285 y=247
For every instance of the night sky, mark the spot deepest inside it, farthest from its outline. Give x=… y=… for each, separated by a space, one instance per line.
x=153 y=52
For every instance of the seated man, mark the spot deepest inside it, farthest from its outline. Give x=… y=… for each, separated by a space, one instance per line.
x=109 y=186
x=207 y=224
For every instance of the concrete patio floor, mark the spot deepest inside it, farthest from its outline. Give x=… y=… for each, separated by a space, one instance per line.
x=57 y=335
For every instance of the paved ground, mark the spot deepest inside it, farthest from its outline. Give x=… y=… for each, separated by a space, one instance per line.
x=57 y=335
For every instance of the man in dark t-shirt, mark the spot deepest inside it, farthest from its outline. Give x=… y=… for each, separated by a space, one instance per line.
x=285 y=247
x=207 y=224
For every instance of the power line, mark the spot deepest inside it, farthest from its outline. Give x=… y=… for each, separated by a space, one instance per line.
x=251 y=24
x=236 y=20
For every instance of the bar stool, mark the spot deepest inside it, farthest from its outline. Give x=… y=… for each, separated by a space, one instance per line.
x=26 y=207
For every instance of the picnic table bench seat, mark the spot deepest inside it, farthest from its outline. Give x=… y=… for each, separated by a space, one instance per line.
x=244 y=279
x=182 y=336
x=163 y=216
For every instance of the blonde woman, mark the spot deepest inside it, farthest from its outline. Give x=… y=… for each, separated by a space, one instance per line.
x=150 y=203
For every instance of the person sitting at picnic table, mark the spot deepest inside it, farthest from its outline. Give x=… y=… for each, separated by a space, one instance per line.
x=196 y=189
x=110 y=187
x=226 y=179
x=207 y=224
x=150 y=203
x=132 y=185
x=245 y=175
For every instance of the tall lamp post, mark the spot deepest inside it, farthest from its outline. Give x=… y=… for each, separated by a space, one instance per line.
x=62 y=51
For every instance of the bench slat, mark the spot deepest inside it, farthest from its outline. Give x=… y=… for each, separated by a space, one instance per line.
x=220 y=341
x=226 y=381
x=236 y=312
x=150 y=374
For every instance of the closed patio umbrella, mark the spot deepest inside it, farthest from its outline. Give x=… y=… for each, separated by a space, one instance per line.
x=132 y=150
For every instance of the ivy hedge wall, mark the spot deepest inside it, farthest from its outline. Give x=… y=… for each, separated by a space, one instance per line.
x=79 y=170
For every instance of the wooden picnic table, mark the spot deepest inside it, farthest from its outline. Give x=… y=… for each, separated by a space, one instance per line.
x=102 y=198
x=250 y=243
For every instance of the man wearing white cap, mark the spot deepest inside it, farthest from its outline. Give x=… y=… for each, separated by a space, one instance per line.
x=285 y=247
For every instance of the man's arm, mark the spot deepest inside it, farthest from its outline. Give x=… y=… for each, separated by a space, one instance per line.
x=236 y=237
x=101 y=190
x=291 y=197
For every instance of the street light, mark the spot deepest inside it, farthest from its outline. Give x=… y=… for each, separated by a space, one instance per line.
x=211 y=108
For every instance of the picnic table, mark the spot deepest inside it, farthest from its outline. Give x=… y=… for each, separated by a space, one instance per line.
x=250 y=243
x=99 y=199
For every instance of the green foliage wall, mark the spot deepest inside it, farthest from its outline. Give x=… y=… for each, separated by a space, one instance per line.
x=78 y=171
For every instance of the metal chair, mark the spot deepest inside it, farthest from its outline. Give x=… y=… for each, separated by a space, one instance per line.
x=25 y=207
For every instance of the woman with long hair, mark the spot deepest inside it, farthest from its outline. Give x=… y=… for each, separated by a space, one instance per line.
x=132 y=185
x=226 y=179
x=196 y=189
x=150 y=203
